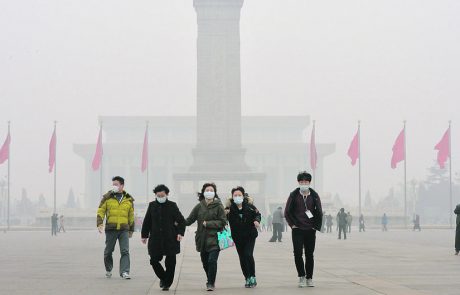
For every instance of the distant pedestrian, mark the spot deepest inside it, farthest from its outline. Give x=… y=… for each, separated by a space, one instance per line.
x=54 y=224
x=457 y=232
x=278 y=225
x=329 y=223
x=349 y=221
x=342 y=217
x=417 y=223
x=61 y=224
x=361 y=223
x=384 y=222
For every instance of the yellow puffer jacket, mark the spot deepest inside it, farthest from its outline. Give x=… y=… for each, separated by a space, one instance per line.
x=120 y=215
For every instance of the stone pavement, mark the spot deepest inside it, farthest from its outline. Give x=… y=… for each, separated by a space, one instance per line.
x=396 y=262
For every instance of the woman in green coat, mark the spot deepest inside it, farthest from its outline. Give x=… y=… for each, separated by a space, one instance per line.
x=210 y=216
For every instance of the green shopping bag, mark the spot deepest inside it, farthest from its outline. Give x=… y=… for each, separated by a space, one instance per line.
x=225 y=239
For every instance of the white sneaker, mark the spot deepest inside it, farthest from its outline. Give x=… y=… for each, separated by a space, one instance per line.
x=302 y=282
x=125 y=276
x=310 y=283
x=108 y=274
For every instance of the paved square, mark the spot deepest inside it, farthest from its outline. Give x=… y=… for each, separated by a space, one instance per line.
x=396 y=262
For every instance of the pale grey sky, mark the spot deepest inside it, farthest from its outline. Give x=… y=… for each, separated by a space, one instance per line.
x=337 y=61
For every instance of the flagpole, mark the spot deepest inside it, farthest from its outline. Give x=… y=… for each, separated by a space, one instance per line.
x=102 y=162
x=147 y=174
x=55 y=165
x=359 y=167
x=450 y=173
x=405 y=177
x=8 y=180
x=313 y=169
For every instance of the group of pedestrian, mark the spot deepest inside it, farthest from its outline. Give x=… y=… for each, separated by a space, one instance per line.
x=57 y=224
x=163 y=229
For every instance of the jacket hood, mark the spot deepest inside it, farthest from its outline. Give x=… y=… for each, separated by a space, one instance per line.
x=110 y=194
x=229 y=201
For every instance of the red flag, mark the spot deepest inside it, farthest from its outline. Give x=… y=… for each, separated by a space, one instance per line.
x=145 y=152
x=313 y=153
x=443 y=148
x=97 y=160
x=399 y=153
x=5 y=150
x=52 y=152
x=353 y=151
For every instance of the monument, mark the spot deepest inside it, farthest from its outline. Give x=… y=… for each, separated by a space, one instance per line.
x=219 y=155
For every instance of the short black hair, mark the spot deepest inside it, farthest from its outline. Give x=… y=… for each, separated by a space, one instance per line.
x=304 y=176
x=161 y=188
x=120 y=179
x=239 y=188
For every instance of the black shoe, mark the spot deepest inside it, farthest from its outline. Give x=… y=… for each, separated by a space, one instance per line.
x=456 y=252
x=210 y=287
x=165 y=288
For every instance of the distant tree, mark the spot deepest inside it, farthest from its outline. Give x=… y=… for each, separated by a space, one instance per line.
x=71 y=202
x=42 y=201
x=368 y=203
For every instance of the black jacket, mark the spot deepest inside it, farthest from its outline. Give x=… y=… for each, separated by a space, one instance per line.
x=457 y=211
x=160 y=228
x=243 y=228
x=317 y=210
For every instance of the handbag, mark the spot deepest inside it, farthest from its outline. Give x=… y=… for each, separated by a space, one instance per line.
x=225 y=239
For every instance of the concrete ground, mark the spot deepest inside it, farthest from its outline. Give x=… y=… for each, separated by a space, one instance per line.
x=395 y=262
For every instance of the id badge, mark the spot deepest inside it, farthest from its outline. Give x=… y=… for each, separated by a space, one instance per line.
x=309 y=214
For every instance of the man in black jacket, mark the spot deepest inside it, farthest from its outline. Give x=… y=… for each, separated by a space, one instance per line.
x=457 y=232
x=304 y=215
x=163 y=227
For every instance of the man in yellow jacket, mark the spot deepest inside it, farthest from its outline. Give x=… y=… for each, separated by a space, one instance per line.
x=117 y=207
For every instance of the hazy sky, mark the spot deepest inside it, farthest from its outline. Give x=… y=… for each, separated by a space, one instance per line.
x=338 y=61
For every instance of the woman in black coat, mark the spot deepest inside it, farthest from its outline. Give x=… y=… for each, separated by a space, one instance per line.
x=163 y=227
x=244 y=219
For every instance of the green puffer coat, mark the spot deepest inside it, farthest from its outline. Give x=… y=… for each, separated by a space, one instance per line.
x=214 y=215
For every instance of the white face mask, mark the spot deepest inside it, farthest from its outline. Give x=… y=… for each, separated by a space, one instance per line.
x=161 y=200
x=304 y=188
x=209 y=195
x=238 y=200
x=115 y=189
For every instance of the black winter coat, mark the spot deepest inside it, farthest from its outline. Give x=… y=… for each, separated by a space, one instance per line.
x=243 y=228
x=162 y=224
x=317 y=211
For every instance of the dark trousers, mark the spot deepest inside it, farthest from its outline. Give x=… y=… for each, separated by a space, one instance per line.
x=166 y=275
x=209 y=261
x=111 y=237
x=54 y=229
x=343 y=228
x=457 y=238
x=277 y=232
x=304 y=240
x=329 y=228
x=362 y=227
x=245 y=251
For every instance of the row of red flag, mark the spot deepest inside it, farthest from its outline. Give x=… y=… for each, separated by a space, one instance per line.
x=399 y=150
